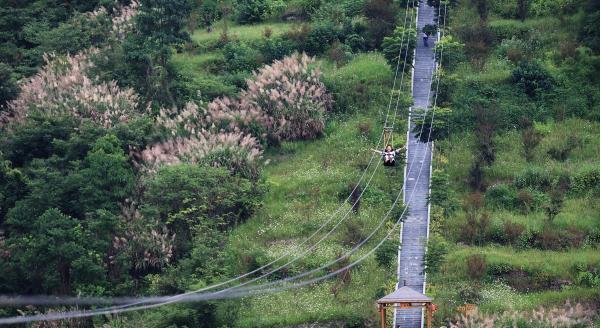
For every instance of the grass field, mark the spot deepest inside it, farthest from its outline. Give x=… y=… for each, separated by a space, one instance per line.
x=243 y=32
x=307 y=182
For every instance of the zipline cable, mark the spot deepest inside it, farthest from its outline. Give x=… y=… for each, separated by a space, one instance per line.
x=356 y=186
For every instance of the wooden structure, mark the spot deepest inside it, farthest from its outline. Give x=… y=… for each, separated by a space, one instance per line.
x=388 y=136
x=404 y=298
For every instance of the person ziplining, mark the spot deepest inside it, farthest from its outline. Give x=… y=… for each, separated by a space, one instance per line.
x=389 y=154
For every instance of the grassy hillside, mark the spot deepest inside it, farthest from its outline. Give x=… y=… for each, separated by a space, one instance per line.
x=516 y=213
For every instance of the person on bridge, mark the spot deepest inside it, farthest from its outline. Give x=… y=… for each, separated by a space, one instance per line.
x=425 y=37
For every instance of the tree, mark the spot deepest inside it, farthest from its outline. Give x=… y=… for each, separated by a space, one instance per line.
x=485 y=130
x=449 y=51
x=530 y=138
x=184 y=195
x=532 y=78
x=522 y=9
x=160 y=26
x=8 y=86
x=428 y=128
x=435 y=256
x=12 y=188
x=399 y=47
x=553 y=208
x=250 y=11
x=381 y=16
x=53 y=256
x=107 y=177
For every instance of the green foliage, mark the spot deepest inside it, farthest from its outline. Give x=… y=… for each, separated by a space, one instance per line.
x=32 y=28
x=476 y=266
x=585 y=181
x=13 y=187
x=507 y=29
x=478 y=39
x=501 y=196
x=449 y=52
x=209 y=12
x=441 y=193
x=275 y=48
x=184 y=196
x=532 y=78
x=399 y=47
x=303 y=8
x=68 y=260
x=8 y=85
x=320 y=37
x=433 y=125
x=160 y=25
x=386 y=253
x=106 y=168
x=430 y=29
x=240 y=57
x=381 y=19
x=250 y=11
x=435 y=255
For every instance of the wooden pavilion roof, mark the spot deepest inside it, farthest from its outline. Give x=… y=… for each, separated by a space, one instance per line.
x=403 y=295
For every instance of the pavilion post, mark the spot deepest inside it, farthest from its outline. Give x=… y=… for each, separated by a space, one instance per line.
x=428 y=315
x=382 y=316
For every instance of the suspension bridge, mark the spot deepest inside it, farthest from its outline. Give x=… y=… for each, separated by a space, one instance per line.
x=414 y=231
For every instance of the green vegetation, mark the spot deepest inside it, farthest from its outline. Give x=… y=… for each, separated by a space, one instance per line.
x=515 y=189
x=168 y=147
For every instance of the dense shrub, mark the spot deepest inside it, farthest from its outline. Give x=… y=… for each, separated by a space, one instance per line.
x=386 y=253
x=585 y=181
x=561 y=151
x=532 y=78
x=302 y=8
x=435 y=255
x=339 y=53
x=449 y=51
x=476 y=266
x=478 y=40
x=235 y=151
x=554 y=7
x=504 y=29
x=275 y=48
x=8 y=85
x=184 y=196
x=432 y=125
x=250 y=11
x=208 y=12
x=469 y=293
x=530 y=138
x=238 y=56
x=441 y=193
x=353 y=233
x=512 y=231
x=566 y=315
x=356 y=42
x=319 y=38
x=516 y=50
x=501 y=196
x=399 y=46
x=533 y=178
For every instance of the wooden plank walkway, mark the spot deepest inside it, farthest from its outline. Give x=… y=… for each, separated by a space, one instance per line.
x=415 y=228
